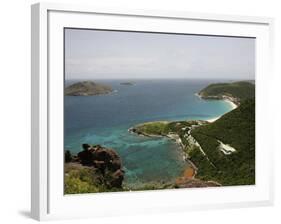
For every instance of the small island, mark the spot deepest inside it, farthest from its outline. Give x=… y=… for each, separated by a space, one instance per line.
x=87 y=88
x=127 y=83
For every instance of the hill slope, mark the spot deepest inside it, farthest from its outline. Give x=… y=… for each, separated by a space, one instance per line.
x=235 y=129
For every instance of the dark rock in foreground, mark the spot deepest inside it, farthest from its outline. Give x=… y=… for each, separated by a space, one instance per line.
x=95 y=169
x=106 y=161
x=87 y=88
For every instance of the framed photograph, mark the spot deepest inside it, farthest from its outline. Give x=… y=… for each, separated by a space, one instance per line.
x=139 y=111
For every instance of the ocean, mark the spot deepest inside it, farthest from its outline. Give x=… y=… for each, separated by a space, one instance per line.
x=105 y=120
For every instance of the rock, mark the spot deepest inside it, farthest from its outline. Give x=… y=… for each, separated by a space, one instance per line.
x=86 y=157
x=110 y=158
x=106 y=161
x=117 y=178
x=97 y=155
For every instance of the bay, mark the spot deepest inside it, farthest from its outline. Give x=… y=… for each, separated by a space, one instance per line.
x=105 y=120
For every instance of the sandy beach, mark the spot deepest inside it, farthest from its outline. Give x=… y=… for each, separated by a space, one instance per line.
x=213 y=119
x=233 y=106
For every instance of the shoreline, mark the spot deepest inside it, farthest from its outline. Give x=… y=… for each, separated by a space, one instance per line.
x=233 y=106
x=234 y=102
x=231 y=101
x=192 y=169
x=173 y=137
x=211 y=120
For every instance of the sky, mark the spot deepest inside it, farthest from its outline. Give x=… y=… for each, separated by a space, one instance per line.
x=97 y=54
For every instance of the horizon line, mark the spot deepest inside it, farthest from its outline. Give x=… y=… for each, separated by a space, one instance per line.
x=156 y=78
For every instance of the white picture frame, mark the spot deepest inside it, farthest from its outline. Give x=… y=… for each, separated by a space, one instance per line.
x=48 y=201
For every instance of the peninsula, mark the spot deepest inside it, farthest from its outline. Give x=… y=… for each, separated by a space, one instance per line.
x=87 y=88
x=233 y=91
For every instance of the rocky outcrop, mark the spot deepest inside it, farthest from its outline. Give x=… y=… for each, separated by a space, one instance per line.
x=105 y=161
x=116 y=179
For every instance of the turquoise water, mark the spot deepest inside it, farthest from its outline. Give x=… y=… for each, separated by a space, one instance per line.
x=105 y=120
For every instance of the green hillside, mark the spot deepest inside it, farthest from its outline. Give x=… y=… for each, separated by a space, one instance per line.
x=241 y=90
x=237 y=129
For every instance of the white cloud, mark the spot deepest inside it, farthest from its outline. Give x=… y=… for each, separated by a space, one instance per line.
x=125 y=65
x=109 y=54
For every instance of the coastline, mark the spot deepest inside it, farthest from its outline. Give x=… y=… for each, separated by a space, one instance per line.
x=233 y=102
x=139 y=171
x=191 y=171
x=211 y=120
x=181 y=133
x=233 y=106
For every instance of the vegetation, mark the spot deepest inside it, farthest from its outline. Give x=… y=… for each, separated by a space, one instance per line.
x=80 y=179
x=83 y=179
x=236 y=128
x=241 y=90
x=164 y=127
x=153 y=128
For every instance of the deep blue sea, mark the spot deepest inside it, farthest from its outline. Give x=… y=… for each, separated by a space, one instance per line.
x=105 y=119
